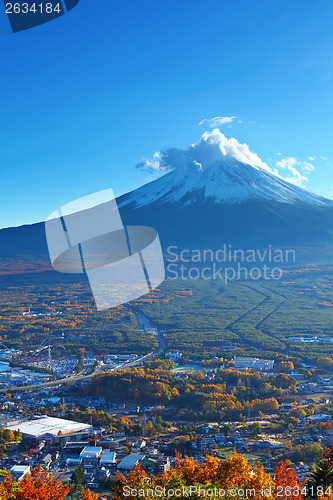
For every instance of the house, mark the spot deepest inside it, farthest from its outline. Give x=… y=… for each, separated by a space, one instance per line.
x=118 y=434
x=46 y=461
x=138 y=445
x=148 y=464
x=285 y=407
x=318 y=418
x=162 y=466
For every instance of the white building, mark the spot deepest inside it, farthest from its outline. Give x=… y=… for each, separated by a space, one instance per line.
x=50 y=427
x=90 y=455
x=19 y=471
x=256 y=364
x=139 y=444
x=108 y=459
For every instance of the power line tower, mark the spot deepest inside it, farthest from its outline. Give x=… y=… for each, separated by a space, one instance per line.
x=49 y=357
x=144 y=424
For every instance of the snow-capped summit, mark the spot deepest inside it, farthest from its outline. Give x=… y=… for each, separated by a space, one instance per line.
x=218 y=169
x=227 y=181
x=218 y=191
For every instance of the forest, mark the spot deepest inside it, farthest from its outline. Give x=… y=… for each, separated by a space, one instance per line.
x=249 y=318
x=226 y=394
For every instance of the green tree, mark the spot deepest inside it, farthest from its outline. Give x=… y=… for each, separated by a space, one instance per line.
x=323 y=473
x=78 y=476
x=255 y=429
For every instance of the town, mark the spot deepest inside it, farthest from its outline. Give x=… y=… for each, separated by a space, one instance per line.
x=85 y=440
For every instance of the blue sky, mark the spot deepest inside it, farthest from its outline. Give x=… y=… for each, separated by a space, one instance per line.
x=87 y=96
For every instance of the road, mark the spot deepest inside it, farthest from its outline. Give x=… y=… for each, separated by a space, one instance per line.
x=79 y=378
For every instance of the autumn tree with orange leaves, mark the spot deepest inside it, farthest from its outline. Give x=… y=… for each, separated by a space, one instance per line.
x=235 y=476
x=37 y=485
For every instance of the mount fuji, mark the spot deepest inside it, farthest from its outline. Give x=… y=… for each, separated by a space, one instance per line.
x=219 y=192
x=215 y=192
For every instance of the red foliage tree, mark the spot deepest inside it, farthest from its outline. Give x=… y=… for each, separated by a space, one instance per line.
x=286 y=485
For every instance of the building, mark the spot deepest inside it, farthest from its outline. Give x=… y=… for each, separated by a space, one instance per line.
x=70 y=462
x=19 y=471
x=8 y=353
x=174 y=356
x=73 y=449
x=108 y=459
x=285 y=407
x=318 y=418
x=46 y=461
x=120 y=358
x=162 y=466
x=118 y=434
x=139 y=444
x=130 y=462
x=312 y=340
x=90 y=455
x=244 y=363
x=4 y=367
x=50 y=427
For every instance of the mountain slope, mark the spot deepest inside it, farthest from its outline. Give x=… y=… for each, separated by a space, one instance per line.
x=227 y=181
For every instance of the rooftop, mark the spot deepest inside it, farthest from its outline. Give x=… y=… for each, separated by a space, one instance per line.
x=108 y=457
x=91 y=451
x=130 y=461
x=48 y=426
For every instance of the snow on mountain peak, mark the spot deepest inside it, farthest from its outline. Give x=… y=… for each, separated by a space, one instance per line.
x=215 y=168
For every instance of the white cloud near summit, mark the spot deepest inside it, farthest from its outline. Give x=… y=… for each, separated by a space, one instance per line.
x=218 y=121
x=212 y=147
x=299 y=170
